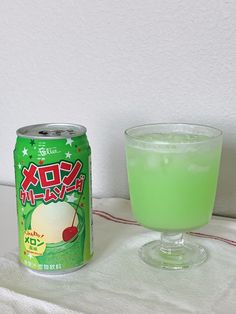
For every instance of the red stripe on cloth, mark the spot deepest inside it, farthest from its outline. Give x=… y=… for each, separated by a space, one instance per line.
x=112 y=218
x=211 y=236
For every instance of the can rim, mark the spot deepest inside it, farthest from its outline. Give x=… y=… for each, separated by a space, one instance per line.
x=78 y=128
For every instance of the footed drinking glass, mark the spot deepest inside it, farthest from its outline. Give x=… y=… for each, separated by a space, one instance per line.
x=172 y=172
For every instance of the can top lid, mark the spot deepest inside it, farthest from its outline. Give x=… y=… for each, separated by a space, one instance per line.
x=51 y=130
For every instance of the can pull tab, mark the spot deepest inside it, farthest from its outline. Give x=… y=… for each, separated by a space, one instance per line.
x=43 y=132
x=52 y=132
x=58 y=132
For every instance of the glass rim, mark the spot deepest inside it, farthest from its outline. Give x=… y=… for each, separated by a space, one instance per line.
x=219 y=132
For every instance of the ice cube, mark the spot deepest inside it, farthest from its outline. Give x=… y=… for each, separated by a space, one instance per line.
x=153 y=161
x=197 y=168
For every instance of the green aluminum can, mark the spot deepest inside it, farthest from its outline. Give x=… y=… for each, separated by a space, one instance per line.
x=53 y=197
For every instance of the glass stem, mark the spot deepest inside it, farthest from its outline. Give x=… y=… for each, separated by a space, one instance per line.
x=171 y=242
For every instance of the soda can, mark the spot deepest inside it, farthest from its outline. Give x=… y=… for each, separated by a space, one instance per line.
x=53 y=197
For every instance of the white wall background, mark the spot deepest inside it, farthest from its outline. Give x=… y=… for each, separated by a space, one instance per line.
x=112 y=64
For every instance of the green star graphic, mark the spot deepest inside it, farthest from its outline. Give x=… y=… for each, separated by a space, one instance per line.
x=32 y=142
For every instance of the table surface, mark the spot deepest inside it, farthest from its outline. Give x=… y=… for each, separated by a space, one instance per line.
x=116 y=280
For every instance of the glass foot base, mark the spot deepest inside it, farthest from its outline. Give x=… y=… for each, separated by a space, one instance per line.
x=186 y=255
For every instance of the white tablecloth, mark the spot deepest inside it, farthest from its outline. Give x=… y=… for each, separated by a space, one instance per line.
x=117 y=281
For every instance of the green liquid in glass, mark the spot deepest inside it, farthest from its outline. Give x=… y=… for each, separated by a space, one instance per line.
x=172 y=185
